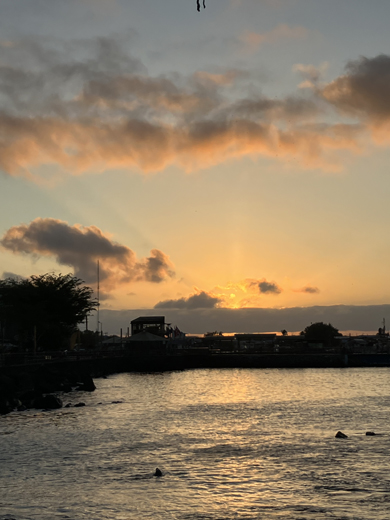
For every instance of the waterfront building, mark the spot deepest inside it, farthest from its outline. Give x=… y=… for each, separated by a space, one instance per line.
x=153 y=324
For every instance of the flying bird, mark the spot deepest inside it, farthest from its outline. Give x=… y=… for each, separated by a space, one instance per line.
x=198 y=4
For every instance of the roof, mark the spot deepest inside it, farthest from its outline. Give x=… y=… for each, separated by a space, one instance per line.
x=114 y=339
x=146 y=336
x=149 y=319
x=255 y=336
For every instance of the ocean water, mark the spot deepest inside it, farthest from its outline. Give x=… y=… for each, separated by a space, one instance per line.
x=232 y=444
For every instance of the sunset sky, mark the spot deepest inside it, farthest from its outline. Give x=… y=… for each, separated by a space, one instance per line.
x=232 y=158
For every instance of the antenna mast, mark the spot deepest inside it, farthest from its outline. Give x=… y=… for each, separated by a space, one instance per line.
x=98 y=300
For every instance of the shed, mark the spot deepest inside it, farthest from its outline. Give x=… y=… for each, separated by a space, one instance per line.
x=147 y=342
x=153 y=324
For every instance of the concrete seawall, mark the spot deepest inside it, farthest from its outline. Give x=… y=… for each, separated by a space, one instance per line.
x=160 y=362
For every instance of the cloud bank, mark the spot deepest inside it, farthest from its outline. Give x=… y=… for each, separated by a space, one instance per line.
x=91 y=105
x=294 y=319
x=82 y=247
x=201 y=300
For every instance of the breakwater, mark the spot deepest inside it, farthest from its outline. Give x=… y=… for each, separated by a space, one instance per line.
x=98 y=363
x=26 y=380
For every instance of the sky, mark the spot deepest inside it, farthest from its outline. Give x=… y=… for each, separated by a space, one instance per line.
x=221 y=165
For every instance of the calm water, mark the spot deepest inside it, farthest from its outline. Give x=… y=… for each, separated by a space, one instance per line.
x=233 y=444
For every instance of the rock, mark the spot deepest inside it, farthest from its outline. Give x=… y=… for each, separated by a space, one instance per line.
x=66 y=388
x=87 y=384
x=49 y=402
x=16 y=403
x=5 y=407
x=46 y=381
x=29 y=397
x=7 y=394
x=370 y=434
x=24 y=382
x=158 y=473
x=7 y=387
x=341 y=435
x=79 y=405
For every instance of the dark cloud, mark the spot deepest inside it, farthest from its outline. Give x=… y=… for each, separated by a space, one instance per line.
x=201 y=300
x=290 y=108
x=309 y=290
x=364 y=88
x=81 y=247
x=269 y=287
x=92 y=105
x=155 y=268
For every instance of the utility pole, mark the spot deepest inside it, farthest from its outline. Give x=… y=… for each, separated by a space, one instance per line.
x=98 y=297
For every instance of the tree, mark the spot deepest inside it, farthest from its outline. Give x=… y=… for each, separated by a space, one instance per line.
x=44 y=309
x=320 y=332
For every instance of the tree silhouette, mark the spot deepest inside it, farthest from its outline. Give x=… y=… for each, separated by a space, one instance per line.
x=320 y=332
x=44 y=309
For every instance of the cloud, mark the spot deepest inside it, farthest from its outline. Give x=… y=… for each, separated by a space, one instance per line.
x=202 y=300
x=363 y=90
x=81 y=247
x=91 y=105
x=253 y=40
x=262 y=286
x=155 y=268
x=251 y=292
x=292 y=108
x=311 y=74
x=92 y=144
x=308 y=289
x=269 y=287
x=13 y=276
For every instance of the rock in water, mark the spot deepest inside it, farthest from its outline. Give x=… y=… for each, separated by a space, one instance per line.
x=49 y=402
x=341 y=435
x=371 y=434
x=87 y=384
x=158 y=473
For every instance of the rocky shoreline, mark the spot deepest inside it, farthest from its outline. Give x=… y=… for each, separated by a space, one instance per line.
x=39 y=387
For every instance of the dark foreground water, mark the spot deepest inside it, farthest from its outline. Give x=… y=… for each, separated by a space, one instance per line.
x=232 y=444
